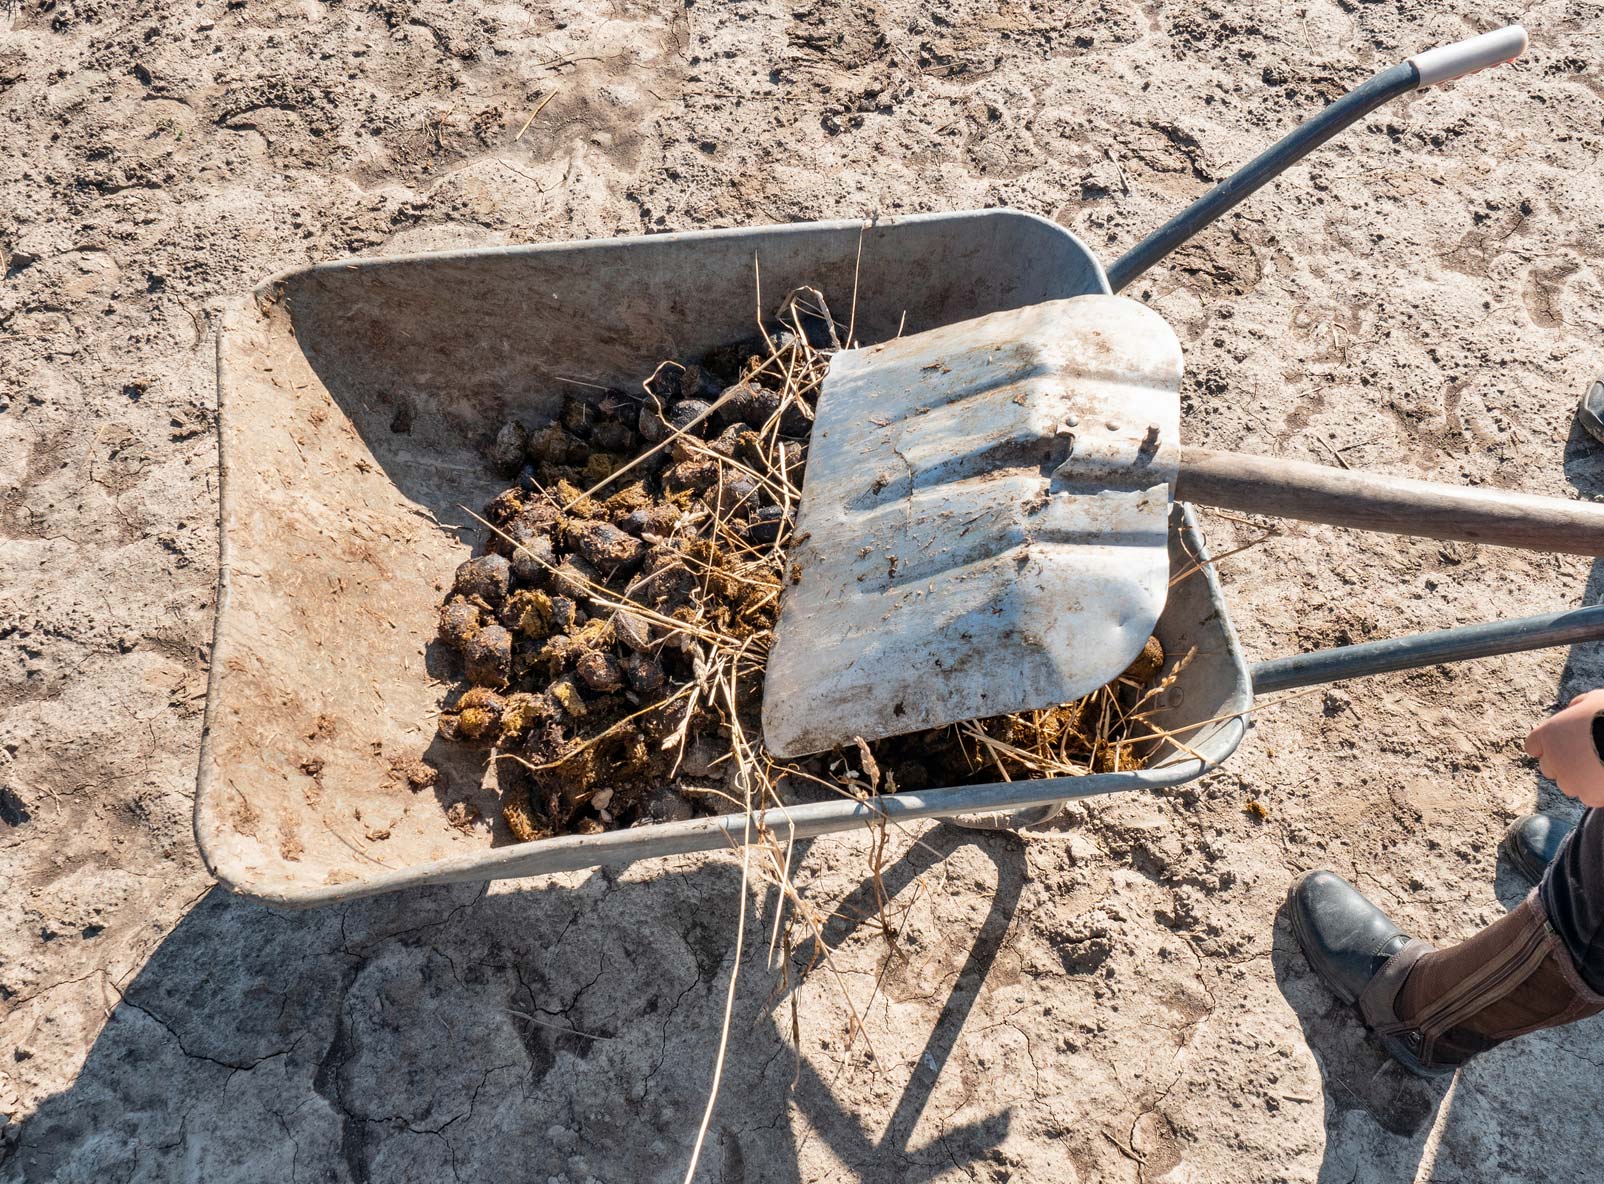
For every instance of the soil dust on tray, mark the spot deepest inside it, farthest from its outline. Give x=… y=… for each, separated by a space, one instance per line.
x=613 y=634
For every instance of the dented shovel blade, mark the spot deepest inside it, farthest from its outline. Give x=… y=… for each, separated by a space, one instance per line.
x=984 y=523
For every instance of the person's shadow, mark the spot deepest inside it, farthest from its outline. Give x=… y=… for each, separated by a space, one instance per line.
x=1506 y=1115
x=566 y=1030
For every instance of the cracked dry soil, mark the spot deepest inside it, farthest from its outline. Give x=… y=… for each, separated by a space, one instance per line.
x=1117 y=999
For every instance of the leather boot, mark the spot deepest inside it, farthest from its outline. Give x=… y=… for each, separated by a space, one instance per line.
x=1435 y=1009
x=1590 y=411
x=1531 y=843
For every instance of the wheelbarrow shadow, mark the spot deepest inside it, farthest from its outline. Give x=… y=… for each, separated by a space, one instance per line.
x=567 y=1030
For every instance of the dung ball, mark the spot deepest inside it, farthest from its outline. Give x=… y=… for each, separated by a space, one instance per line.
x=507 y=453
x=489 y=656
x=605 y=546
x=459 y=621
x=600 y=671
x=485 y=577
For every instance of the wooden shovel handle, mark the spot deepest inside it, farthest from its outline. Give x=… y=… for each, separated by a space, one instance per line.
x=1395 y=505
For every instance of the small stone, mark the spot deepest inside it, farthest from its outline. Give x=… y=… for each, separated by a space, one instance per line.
x=485 y=577
x=507 y=454
x=489 y=655
x=600 y=671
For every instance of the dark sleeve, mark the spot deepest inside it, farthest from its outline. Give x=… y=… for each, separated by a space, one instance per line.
x=1598 y=735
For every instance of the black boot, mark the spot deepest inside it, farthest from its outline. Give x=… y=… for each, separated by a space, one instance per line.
x=1348 y=942
x=1590 y=412
x=1435 y=1009
x=1531 y=843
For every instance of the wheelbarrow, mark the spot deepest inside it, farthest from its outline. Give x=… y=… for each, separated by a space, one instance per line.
x=356 y=401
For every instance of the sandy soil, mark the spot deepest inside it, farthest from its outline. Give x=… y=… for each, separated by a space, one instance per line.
x=1116 y=1000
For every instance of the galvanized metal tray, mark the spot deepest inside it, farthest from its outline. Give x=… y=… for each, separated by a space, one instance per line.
x=355 y=399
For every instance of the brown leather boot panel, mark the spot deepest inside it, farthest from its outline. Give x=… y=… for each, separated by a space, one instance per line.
x=1511 y=978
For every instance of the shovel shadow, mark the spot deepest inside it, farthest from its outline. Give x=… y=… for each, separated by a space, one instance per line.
x=862 y=909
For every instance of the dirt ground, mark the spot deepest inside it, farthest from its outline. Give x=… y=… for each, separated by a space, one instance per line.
x=1118 y=999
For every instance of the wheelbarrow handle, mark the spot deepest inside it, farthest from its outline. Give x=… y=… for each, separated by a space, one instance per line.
x=1392 y=505
x=1428 y=649
x=1422 y=70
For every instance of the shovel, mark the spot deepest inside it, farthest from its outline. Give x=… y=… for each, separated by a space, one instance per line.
x=985 y=515
x=984 y=525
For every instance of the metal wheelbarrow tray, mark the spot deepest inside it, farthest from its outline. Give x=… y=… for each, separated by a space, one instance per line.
x=356 y=400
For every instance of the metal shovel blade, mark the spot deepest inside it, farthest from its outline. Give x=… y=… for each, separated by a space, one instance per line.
x=984 y=523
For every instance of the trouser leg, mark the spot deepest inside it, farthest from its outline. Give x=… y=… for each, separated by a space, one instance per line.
x=1573 y=897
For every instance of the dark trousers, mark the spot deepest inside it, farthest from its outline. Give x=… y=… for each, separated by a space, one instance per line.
x=1572 y=892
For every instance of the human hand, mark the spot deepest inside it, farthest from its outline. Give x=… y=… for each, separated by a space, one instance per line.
x=1565 y=751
